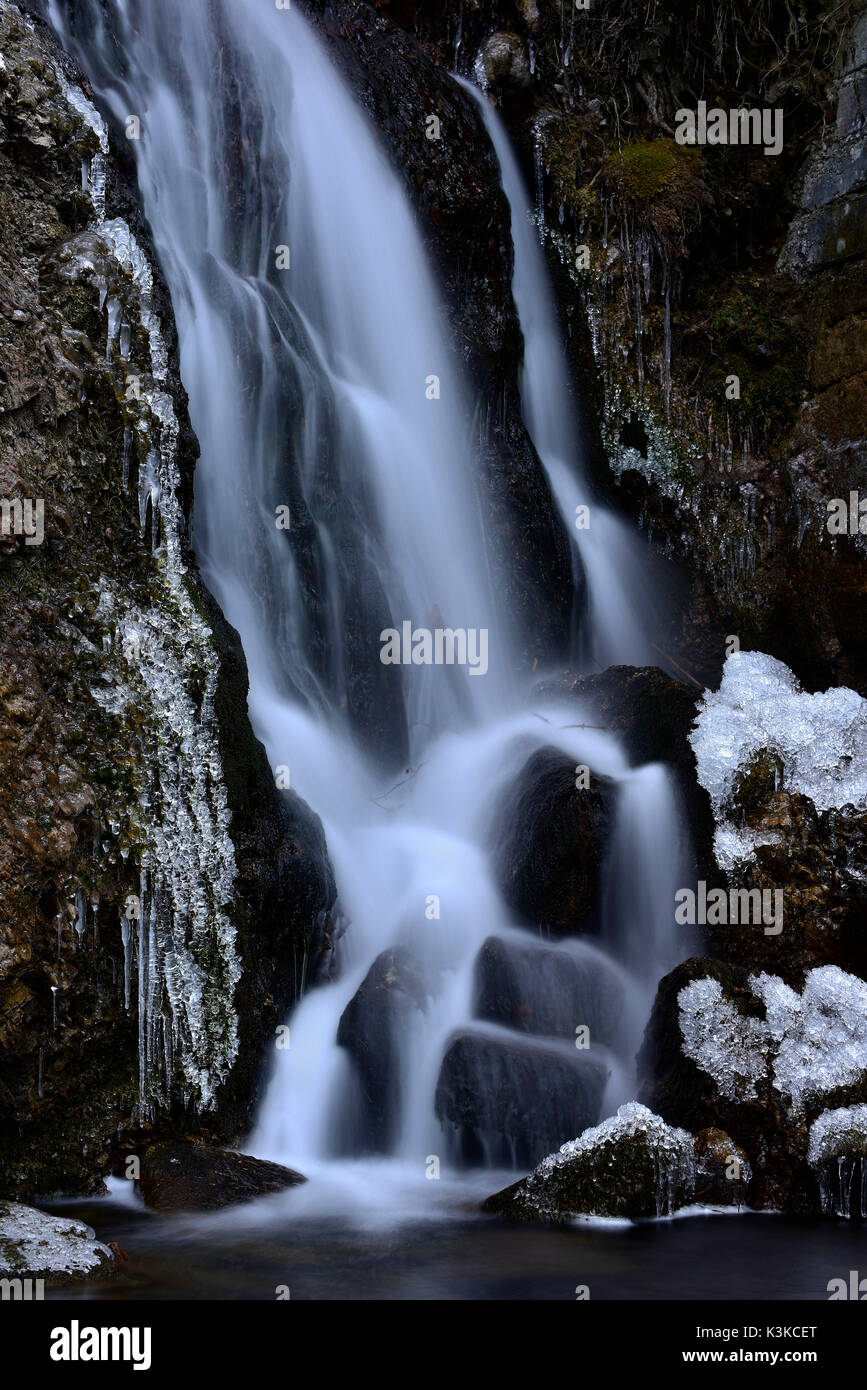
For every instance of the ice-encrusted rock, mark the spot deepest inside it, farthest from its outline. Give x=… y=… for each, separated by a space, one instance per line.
x=820 y=1037
x=162 y=670
x=632 y=1165
x=838 y=1154
x=37 y=1245
x=806 y=1046
x=837 y=1133
x=818 y=741
x=725 y=1043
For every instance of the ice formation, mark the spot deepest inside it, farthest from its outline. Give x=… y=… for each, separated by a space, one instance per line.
x=672 y=1149
x=820 y=1037
x=838 y=1153
x=34 y=1242
x=721 y=1041
x=94 y=171
x=837 y=1133
x=820 y=740
x=161 y=661
x=807 y=1044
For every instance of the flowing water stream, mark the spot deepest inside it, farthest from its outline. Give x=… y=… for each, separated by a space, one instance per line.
x=310 y=327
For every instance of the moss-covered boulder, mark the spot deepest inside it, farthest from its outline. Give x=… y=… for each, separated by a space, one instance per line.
x=631 y=1165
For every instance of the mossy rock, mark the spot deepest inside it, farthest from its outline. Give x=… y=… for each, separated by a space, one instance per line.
x=632 y=1165
x=756 y=783
x=645 y=168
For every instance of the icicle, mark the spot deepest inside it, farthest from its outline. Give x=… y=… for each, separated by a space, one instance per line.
x=127 y=444
x=80 y=912
x=127 y=959
x=40 y=1074
x=149 y=491
x=114 y=320
x=54 y=1006
x=666 y=350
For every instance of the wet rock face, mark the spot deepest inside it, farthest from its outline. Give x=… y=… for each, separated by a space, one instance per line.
x=632 y=1165
x=552 y=844
x=548 y=992
x=505 y=61
x=508 y=1102
x=73 y=829
x=390 y=1000
x=193 y=1177
x=686 y=287
x=652 y=714
x=722 y=1170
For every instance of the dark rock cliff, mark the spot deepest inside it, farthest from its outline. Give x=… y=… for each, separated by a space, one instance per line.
x=88 y=626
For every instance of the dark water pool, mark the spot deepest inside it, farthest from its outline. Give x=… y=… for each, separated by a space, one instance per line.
x=252 y=1252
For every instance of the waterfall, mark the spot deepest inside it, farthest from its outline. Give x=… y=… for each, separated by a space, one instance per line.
x=622 y=595
x=326 y=396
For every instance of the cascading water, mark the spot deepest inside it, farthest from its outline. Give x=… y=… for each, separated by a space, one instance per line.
x=309 y=327
x=623 y=605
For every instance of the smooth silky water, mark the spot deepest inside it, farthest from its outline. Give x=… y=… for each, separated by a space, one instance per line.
x=307 y=389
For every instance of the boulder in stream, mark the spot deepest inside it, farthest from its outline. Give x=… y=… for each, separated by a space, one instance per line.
x=549 y=990
x=194 y=1177
x=552 y=845
x=370 y=1029
x=631 y=1165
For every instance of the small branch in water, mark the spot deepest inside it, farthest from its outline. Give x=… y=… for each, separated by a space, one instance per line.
x=601 y=727
x=676 y=667
x=410 y=773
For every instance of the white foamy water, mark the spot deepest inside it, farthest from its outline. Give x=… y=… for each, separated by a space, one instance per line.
x=308 y=388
